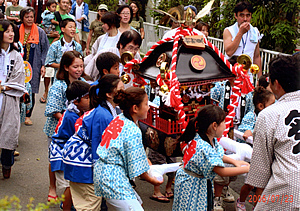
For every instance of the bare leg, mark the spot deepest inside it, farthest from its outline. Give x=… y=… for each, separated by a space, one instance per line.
x=218 y=189
x=245 y=190
x=67 y=204
x=52 y=187
x=46 y=83
x=157 y=193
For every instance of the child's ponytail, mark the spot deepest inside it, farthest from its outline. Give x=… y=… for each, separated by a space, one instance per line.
x=107 y=84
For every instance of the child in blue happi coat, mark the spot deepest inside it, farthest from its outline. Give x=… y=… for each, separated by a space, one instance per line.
x=78 y=102
x=79 y=153
x=203 y=159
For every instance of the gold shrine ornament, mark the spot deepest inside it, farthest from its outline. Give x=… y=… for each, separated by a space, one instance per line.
x=254 y=69
x=126 y=57
x=162 y=58
x=164 y=88
x=244 y=60
x=198 y=62
x=164 y=67
x=125 y=78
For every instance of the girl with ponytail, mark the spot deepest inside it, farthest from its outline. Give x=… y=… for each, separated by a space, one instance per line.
x=121 y=153
x=203 y=159
x=79 y=154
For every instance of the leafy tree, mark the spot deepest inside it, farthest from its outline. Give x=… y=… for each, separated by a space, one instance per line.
x=278 y=20
x=111 y=4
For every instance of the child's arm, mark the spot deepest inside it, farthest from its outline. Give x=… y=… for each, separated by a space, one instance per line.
x=54 y=65
x=241 y=167
x=231 y=171
x=57 y=115
x=151 y=180
x=54 y=22
x=237 y=163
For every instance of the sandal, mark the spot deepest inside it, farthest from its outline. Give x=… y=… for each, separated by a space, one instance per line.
x=169 y=195
x=28 y=122
x=160 y=199
x=52 y=198
x=43 y=99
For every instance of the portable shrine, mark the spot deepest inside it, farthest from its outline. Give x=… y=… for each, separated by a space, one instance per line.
x=182 y=70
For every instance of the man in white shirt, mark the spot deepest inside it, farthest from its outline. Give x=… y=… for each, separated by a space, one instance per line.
x=242 y=37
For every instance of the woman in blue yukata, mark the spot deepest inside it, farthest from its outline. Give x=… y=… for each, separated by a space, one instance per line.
x=203 y=160
x=79 y=153
x=121 y=153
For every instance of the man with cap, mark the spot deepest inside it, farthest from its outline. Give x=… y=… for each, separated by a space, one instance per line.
x=96 y=29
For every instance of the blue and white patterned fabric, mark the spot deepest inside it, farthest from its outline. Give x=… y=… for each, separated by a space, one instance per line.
x=85 y=14
x=26 y=107
x=55 y=53
x=63 y=131
x=80 y=150
x=47 y=16
x=218 y=93
x=56 y=102
x=199 y=158
x=121 y=158
x=248 y=123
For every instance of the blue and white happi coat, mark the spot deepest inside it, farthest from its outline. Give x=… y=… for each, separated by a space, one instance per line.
x=63 y=131
x=56 y=103
x=218 y=93
x=248 y=123
x=77 y=155
x=121 y=158
x=199 y=158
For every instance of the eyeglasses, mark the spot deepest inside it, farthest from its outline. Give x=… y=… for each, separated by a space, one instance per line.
x=132 y=48
x=125 y=13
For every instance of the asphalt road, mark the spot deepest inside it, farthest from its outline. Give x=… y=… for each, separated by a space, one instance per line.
x=29 y=176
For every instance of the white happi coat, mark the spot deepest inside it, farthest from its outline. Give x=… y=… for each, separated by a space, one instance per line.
x=275 y=163
x=10 y=108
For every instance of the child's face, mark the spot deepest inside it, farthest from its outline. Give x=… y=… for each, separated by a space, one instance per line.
x=262 y=106
x=204 y=30
x=52 y=7
x=115 y=69
x=142 y=109
x=69 y=30
x=220 y=129
x=84 y=104
x=1 y=1
x=75 y=69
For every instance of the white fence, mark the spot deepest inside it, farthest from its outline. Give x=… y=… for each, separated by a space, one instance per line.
x=154 y=33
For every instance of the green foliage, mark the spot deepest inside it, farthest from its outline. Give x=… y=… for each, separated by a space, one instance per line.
x=111 y=4
x=13 y=203
x=278 y=20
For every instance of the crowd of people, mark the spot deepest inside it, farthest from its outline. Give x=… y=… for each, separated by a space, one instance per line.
x=95 y=144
